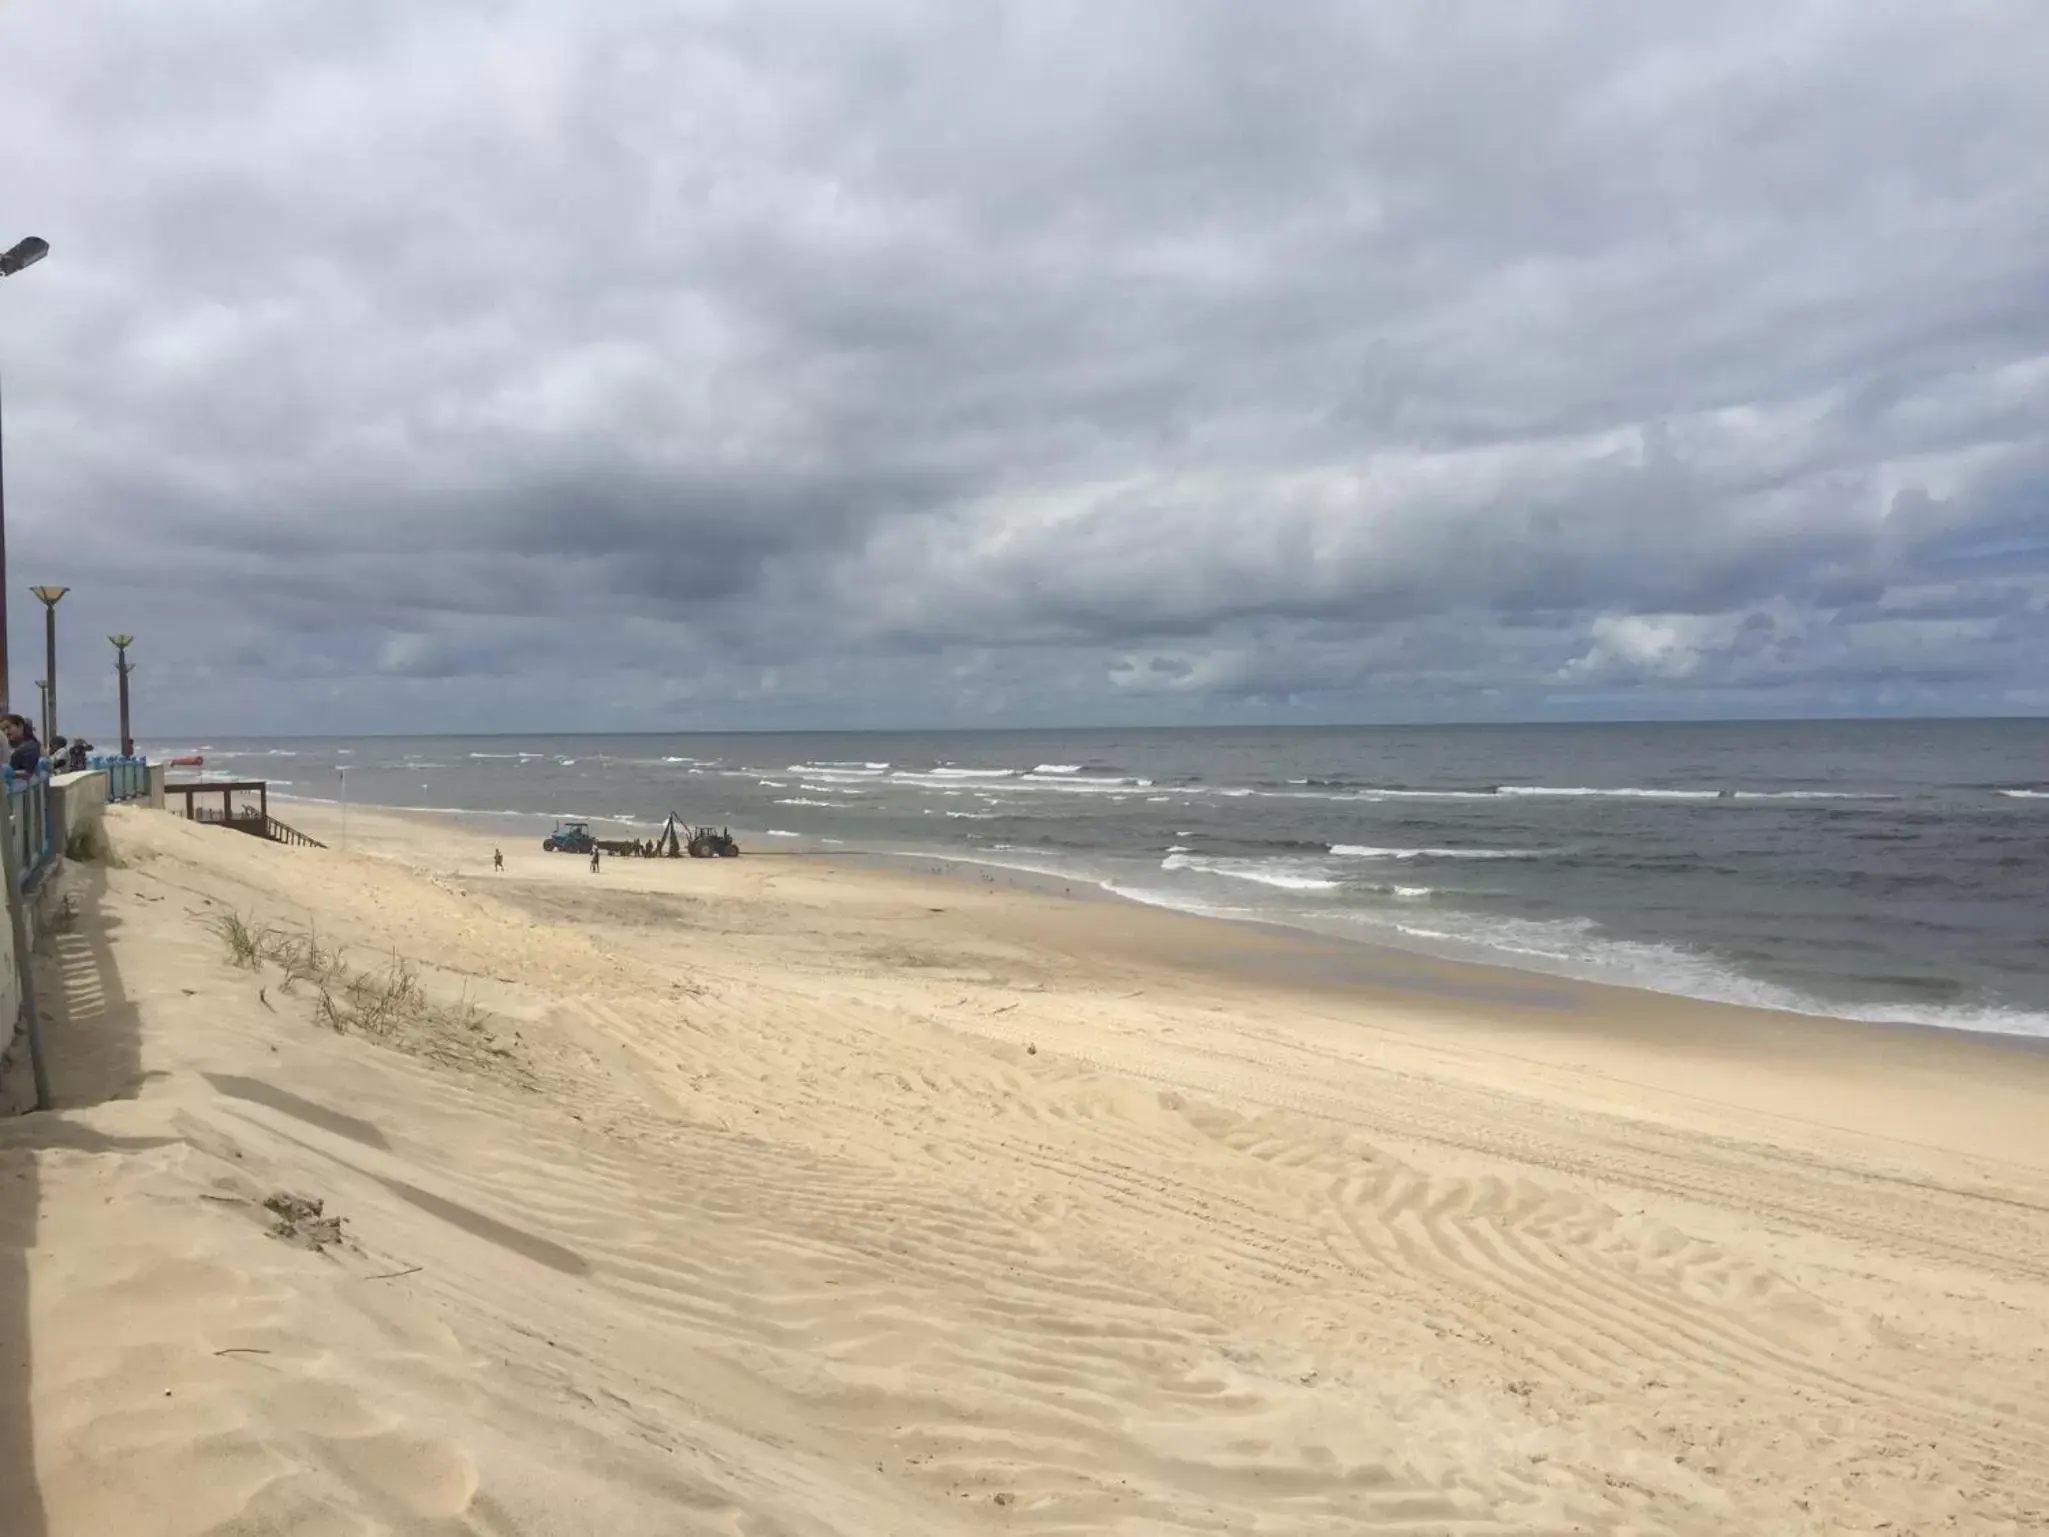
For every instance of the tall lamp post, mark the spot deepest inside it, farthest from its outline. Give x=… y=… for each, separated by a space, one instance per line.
x=122 y=668
x=43 y=715
x=50 y=595
x=24 y=254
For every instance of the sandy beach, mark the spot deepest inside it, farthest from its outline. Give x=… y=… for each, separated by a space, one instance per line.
x=790 y=1196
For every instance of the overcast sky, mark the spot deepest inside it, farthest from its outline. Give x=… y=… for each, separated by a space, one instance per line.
x=554 y=366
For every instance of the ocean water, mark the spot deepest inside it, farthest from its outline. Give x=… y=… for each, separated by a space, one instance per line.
x=1878 y=870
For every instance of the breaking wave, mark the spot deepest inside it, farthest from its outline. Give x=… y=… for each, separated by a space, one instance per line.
x=1276 y=873
x=1365 y=851
x=1633 y=792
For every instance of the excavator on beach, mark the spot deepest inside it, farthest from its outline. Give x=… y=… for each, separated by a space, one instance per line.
x=679 y=838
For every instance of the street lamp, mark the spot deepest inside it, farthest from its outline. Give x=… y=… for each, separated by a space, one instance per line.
x=50 y=595
x=25 y=254
x=43 y=715
x=122 y=668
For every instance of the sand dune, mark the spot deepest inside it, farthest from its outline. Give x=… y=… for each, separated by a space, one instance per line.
x=785 y=1197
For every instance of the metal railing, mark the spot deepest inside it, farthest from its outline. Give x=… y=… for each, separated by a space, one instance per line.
x=28 y=819
x=127 y=778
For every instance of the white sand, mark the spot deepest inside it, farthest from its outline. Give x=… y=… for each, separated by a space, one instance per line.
x=776 y=1197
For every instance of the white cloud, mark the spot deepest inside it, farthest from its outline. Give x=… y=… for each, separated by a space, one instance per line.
x=1646 y=646
x=644 y=353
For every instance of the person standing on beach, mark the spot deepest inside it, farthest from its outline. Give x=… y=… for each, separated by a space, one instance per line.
x=498 y=859
x=594 y=861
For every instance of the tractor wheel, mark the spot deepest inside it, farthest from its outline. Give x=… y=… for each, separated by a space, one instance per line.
x=547 y=845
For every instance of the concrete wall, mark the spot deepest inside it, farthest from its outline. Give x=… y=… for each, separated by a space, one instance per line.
x=78 y=809
x=10 y=973
x=10 y=981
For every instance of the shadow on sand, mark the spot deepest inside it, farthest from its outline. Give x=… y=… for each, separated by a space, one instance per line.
x=92 y=1039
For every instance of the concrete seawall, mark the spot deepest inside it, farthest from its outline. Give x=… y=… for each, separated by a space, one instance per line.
x=78 y=809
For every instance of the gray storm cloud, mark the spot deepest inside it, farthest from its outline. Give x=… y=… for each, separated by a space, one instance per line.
x=786 y=364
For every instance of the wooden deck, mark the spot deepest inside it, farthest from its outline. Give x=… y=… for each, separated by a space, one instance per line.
x=235 y=811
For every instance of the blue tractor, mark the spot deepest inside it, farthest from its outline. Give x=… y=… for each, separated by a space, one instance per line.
x=569 y=838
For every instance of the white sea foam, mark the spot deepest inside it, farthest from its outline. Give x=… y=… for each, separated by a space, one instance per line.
x=1576 y=947
x=837 y=770
x=1654 y=794
x=1058 y=768
x=991 y=783
x=1279 y=874
x=798 y=800
x=1082 y=784
x=1022 y=866
x=1367 y=851
x=1811 y=795
x=777 y=832
x=2026 y=795
x=1628 y=793
x=1179 y=901
x=1425 y=795
x=1365 y=794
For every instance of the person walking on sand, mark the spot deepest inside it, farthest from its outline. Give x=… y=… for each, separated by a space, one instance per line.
x=498 y=859
x=594 y=861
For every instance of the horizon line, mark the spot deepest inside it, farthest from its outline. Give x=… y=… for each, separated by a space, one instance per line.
x=1415 y=725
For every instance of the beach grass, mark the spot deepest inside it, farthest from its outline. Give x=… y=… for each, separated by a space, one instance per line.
x=386 y=1001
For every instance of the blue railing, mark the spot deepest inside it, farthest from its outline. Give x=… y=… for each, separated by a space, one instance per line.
x=28 y=819
x=127 y=778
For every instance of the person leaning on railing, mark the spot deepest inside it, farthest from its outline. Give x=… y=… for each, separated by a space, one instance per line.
x=24 y=751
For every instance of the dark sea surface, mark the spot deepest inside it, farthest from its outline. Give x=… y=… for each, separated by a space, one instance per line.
x=1882 y=870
